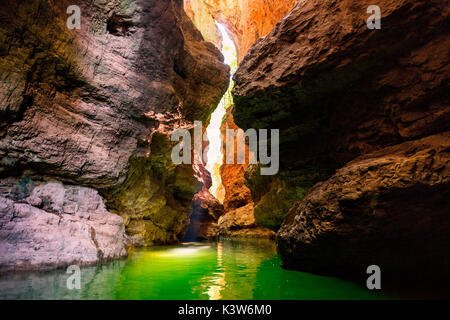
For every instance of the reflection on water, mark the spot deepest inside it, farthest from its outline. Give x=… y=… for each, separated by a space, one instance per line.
x=218 y=281
x=224 y=270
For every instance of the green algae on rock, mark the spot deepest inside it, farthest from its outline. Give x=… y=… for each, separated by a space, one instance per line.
x=155 y=198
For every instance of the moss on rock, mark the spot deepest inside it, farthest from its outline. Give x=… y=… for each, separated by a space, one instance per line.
x=155 y=198
x=275 y=195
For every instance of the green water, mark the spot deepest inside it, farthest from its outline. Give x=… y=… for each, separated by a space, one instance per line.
x=224 y=270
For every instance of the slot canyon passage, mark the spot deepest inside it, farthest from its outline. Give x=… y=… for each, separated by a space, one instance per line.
x=86 y=170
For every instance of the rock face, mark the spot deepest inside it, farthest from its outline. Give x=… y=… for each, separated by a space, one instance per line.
x=240 y=223
x=76 y=103
x=388 y=208
x=236 y=192
x=340 y=92
x=155 y=198
x=239 y=218
x=206 y=211
x=82 y=106
x=246 y=20
x=198 y=11
x=56 y=226
x=341 y=89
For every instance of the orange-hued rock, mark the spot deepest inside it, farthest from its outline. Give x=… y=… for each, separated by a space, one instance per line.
x=199 y=13
x=336 y=89
x=239 y=218
x=236 y=192
x=240 y=223
x=246 y=20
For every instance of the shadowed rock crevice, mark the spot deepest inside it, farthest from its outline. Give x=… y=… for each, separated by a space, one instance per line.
x=156 y=196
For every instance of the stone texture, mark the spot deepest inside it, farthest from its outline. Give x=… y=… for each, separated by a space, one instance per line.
x=336 y=89
x=236 y=192
x=275 y=198
x=198 y=12
x=69 y=225
x=240 y=223
x=155 y=199
x=52 y=285
x=206 y=211
x=76 y=103
x=239 y=218
x=80 y=105
x=388 y=208
x=371 y=102
x=245 y=20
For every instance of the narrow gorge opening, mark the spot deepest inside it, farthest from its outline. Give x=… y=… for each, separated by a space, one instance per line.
x=207 y=203
x=214 y=133
x=92 y=176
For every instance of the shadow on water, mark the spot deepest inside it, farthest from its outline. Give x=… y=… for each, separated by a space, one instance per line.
x=224 y=270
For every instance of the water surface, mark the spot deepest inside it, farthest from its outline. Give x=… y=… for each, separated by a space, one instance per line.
x=224 y=270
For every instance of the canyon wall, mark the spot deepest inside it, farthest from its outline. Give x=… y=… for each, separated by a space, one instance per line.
x=239 y=208
x=245 y=20
x=365 y=115
x=93 y=107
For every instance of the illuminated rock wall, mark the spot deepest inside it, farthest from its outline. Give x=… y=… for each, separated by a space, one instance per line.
x=245 y=20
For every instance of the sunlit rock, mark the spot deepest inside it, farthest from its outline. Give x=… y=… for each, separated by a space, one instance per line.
x=78 y=105
x=69 y=225
x=245 y=20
